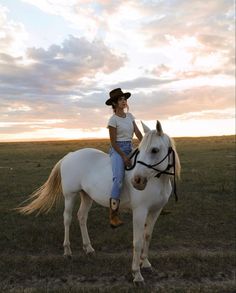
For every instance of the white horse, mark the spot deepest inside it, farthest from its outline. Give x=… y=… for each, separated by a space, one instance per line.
x=146 y=190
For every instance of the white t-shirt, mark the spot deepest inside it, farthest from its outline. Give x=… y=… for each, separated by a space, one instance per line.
x=124 y=126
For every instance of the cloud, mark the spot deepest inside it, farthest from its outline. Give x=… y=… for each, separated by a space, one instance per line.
x=166 y=72
x=186 y=18
x=91 y=17
x=59 y=68
x=163 y=104
x=58 y=82
x=206 y=114
x=12 y=34
x=199 y=34
x=142 y=82
x=193 y=32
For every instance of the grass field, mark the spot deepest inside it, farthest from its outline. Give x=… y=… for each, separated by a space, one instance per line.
x=192 y=250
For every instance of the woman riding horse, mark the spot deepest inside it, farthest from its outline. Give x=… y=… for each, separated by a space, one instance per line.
x=121 y=127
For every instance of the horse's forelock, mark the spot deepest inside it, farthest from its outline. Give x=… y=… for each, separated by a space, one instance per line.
x=147 y=139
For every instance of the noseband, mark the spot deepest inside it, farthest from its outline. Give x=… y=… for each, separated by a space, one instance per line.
x=153 y=167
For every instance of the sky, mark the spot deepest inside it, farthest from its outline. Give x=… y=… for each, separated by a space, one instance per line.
x=59 y=59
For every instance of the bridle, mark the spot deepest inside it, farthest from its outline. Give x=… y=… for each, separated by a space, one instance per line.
x=153 y=167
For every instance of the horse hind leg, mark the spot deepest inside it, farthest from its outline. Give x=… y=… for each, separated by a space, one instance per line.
x=69 y=203
x=85 y=205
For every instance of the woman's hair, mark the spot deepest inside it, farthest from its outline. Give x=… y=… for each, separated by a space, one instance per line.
x=114 y=106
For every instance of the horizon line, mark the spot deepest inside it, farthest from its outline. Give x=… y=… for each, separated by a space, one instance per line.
x=102 y=138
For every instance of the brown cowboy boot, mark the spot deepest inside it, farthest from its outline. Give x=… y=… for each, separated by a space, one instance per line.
x=114 y=215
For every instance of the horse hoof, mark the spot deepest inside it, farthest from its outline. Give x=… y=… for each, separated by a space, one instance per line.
x=89 y=250
x=91 y=253
x=148 y=269
x=68 y=256
x=139 y=284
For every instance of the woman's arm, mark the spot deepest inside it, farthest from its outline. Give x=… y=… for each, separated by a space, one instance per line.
x=137 y=132
x=112 y=133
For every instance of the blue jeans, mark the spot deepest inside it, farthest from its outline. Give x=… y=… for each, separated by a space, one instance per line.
x=118 y=167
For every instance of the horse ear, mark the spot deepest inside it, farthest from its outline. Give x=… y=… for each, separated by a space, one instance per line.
x=145 y=128
x=159 y=128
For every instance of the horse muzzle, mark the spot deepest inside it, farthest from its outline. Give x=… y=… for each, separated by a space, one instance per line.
x=139 y=182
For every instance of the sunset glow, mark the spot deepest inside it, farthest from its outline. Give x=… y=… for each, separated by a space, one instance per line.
x=60 y=59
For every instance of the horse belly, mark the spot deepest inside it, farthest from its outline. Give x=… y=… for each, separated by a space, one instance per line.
x=88 y=170
x=98 y=185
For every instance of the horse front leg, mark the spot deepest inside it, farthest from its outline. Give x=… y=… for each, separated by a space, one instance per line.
x=149 y=225
x=139 y=219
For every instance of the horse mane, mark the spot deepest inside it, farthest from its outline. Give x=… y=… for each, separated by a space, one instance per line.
x=177 y=161
x=146 y=142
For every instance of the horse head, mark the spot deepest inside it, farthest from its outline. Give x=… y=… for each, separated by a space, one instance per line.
x=156 y=156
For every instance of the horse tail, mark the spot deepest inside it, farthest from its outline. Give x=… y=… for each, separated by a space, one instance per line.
x=46 y=196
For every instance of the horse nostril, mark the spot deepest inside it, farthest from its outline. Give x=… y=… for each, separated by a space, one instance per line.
x=139 y=182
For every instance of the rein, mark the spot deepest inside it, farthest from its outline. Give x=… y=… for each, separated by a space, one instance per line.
x=158 y=175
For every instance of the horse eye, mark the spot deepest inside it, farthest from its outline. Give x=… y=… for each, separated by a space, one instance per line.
x=155 y=150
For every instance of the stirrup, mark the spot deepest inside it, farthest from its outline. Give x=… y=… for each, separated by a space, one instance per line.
x=114 y=204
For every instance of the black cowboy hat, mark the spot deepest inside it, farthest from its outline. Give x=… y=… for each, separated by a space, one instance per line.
x=115 y=94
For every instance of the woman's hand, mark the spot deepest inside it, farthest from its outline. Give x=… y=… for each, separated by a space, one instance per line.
x=126 y=160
